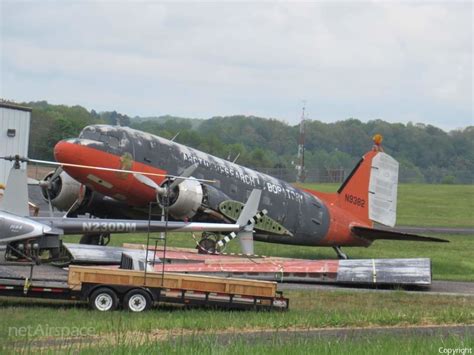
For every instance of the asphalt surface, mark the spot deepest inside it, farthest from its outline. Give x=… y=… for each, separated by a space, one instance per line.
x=449 y=288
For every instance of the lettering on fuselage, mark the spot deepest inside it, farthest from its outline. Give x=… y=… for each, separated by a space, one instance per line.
x=280 y=190
x=109 y=227
x=15 y=228
x=359 y=202
x=223 y=170
x=250 y=180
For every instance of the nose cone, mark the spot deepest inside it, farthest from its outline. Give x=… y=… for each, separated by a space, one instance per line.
x=67 y=151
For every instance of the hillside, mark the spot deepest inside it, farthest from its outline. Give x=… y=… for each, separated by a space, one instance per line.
x=426 y=153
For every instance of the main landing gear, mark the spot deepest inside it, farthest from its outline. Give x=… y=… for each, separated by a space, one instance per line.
x=340 y=253
x=208 y=243
x=95 y=239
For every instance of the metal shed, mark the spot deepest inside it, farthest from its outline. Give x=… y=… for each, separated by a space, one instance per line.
x=14 y=134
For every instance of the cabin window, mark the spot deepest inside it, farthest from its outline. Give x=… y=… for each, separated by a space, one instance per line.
x=233 y=189
x=114 y=142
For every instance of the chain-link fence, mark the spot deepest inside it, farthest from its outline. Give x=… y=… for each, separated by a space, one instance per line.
x=419 y=176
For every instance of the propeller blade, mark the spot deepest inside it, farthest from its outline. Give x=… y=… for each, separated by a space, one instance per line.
x=122 y=171
x=250 y=208
x=49 y=203
x=145 y=180
x=243 y=232
x=185 y=174
x=57 y=172
x=32 y=181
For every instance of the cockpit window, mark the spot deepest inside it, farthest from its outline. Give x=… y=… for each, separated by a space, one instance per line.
x=109 y=140
x=91 y=134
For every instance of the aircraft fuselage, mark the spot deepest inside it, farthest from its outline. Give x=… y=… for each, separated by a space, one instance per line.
x=305 y=215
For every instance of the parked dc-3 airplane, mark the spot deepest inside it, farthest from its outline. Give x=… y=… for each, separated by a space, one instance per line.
x=296 y=216
x=27 y=236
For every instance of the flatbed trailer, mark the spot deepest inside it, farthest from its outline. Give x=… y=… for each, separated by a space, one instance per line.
x=107 y=289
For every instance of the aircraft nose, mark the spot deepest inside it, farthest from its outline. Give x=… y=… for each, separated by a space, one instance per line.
x=66 y=151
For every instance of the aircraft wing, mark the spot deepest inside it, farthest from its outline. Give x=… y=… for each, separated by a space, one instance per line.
x=90 y=225
x=372 y=234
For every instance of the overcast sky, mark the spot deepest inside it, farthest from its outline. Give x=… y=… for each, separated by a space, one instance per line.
x=398 y=61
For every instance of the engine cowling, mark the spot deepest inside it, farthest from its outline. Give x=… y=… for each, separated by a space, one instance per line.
x=63 y=191
x=186 y=199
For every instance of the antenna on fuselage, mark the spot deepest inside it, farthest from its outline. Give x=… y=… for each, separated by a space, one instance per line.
x=175 y=136
x=235 y=159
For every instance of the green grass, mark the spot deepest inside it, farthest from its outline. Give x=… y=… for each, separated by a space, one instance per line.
x=198 y=344
x=428 y=205
x=322 y=309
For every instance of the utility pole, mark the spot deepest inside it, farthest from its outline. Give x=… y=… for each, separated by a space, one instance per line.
x=300 y=167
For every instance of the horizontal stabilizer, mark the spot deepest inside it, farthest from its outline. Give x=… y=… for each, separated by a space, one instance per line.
x=374 y=234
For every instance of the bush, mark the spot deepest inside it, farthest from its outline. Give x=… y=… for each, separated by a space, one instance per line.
x=448 y=180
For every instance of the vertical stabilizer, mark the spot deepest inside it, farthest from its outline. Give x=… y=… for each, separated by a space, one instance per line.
x=370 y=191
x=15 y=198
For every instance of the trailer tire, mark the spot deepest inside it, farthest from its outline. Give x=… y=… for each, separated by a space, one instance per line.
x=137 y=300
x=103 y=299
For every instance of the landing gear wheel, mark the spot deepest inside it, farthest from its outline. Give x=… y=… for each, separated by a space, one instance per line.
x=104 y=239
x=208 y=243
x=95 y=239
x=137 y=301
x=103 y=299
x=207 y=246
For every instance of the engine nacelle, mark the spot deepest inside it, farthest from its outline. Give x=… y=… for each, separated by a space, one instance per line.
x=187 y=199
x=64 y=191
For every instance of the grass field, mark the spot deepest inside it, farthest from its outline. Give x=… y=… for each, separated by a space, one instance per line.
x=428 y=205
x=309 y=310
x=296 y=345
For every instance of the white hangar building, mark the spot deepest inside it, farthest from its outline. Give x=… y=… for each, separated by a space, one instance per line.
x=14 y=135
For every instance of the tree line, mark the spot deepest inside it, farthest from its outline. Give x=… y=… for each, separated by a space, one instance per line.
x=425 y=152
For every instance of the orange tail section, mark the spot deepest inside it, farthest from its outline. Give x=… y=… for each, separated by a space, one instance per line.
x=370 y=191
x=368 y=195
x=353 y=195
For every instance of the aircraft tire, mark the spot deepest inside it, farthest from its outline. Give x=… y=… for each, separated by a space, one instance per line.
x=207 y=245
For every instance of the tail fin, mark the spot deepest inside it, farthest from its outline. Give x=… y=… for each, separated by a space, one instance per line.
x=370 y=191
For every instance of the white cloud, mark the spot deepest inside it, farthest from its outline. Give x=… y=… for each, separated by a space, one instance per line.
x=367 y=60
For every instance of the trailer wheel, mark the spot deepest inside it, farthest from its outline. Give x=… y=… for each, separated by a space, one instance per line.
x=137 y=301
x=103 y=299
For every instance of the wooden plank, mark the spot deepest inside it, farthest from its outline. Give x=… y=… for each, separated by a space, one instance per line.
x=80 y=274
